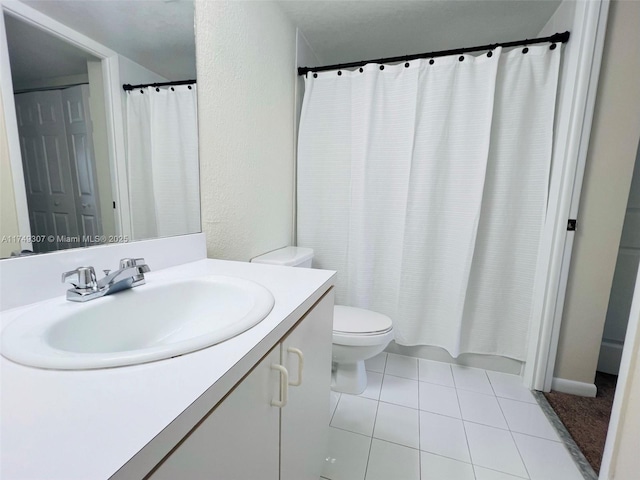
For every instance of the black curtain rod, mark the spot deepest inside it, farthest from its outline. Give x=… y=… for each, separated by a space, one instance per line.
x=556 y=38
x=126 y=87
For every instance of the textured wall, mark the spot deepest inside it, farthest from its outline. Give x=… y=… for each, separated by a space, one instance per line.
x=612 y=150
x=245 y=55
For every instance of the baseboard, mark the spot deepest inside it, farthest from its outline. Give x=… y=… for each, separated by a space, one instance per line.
x=574 y=388
x=610 y=357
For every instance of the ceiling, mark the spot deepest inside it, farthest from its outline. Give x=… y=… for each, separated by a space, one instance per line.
x=159 y=34
x=348 y=31
x=36 y=55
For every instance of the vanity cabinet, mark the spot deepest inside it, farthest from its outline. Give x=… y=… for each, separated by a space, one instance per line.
x=274 y=424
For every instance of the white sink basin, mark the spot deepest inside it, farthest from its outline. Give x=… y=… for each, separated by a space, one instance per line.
x=142 y=324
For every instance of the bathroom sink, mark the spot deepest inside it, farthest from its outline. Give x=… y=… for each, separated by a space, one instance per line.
x=143 y=324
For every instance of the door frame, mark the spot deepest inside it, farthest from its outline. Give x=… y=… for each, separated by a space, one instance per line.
x=113 y=109
x=574 y=117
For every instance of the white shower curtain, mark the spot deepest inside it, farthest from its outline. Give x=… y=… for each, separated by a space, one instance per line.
x=162 y=161
x=425 y=187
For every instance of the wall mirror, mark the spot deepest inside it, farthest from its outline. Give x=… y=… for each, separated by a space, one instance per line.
x=86 y=162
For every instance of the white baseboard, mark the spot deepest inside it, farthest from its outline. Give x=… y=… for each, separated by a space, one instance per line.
x=574 y=388
x=610 y=357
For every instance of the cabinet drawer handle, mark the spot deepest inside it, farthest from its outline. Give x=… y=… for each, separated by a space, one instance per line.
x=284 y=386
x=297 y=352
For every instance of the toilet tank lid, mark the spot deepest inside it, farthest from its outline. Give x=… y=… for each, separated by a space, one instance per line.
x=287 y=256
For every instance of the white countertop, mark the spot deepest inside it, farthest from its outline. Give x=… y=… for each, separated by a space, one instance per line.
x=88 y=424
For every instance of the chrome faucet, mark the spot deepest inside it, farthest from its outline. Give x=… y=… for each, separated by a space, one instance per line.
x=87 y=287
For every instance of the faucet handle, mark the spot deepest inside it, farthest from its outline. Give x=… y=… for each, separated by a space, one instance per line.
x=86 y=277
x=131 y=262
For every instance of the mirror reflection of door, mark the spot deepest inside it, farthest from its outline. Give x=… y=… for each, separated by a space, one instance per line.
x=57 y=90
x=59 y=165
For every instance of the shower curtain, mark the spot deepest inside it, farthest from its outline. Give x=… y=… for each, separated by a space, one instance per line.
x=424 y=184
x=162 y=161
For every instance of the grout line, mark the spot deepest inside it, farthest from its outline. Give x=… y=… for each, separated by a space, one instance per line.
x=373 y=430
x=404 y=378
x=515 y=443
x=333 y=414
x=464 y=428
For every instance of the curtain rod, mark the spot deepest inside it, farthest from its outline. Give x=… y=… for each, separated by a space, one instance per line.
x=126 y=87
x=556 y=38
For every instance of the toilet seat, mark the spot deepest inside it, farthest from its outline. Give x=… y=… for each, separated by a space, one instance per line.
x=359 y=327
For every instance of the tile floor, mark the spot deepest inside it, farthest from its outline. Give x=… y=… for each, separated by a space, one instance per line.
x=420 y=420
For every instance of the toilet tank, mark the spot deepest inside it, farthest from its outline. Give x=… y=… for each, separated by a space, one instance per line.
x=287 y=256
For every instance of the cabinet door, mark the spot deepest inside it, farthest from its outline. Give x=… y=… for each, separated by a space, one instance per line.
x=304 y=426
x=239 y=439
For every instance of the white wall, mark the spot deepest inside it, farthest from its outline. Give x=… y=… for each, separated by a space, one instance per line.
x=620 y=459
x=101 y=145
x=8 y=213
x=612 y=150
x=305 y=57
x=615 y=325
x=246 y=75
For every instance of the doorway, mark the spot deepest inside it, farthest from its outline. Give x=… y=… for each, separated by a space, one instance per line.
x=58 y=158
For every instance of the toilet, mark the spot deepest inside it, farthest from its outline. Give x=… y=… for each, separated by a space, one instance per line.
x=358 y=334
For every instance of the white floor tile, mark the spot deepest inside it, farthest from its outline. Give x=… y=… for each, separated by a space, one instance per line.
x=400 y=391
x=486 y=474
x=467 y=378
x=439 y=399
x=398 y=425
x=481 y=408
x=527 y=418
x=402 y=366
x=374 y=384
x=510 y=386
x=443 y=436
x=437 y=467
x=333 y=402
x=347 y=457
x=376 y=364
x=546 y=460
x=435 y=372
x=495 y=449
x=389 y=461
x=356 y=414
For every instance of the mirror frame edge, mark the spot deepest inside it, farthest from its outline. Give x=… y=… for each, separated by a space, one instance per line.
x=113 y=108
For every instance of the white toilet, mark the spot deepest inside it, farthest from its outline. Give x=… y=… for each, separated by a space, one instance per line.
x=358 y=334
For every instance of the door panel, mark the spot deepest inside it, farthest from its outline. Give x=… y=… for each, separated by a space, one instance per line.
x=305 y=419
x=45 y=156
x=239 y=440
x=80 y=143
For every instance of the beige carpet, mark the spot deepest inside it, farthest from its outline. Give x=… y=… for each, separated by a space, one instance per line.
x=587 y=419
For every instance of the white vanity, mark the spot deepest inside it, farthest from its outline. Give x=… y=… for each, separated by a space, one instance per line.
x=254 y=406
